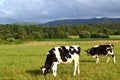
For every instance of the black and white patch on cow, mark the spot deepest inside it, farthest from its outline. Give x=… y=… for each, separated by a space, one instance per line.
x=106 y=50
x=62 y=55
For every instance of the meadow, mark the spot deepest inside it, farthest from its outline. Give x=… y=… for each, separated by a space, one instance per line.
x=23 y=62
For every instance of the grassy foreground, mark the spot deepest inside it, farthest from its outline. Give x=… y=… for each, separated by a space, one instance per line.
x=22 y=62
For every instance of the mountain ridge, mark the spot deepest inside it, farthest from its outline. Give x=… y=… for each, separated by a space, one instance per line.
x=73 y=21
x=81 y=21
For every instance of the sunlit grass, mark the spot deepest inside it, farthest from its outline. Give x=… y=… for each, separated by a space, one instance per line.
x=115 y=36
x=23 y=62
x=74 y=37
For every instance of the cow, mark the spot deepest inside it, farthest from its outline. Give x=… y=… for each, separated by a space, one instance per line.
x=97 y=50
x=61 y=55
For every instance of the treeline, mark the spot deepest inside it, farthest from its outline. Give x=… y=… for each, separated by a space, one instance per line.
x=13 y=32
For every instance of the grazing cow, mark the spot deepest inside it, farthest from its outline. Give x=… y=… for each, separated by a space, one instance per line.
x=61 y=55
x=102 y=50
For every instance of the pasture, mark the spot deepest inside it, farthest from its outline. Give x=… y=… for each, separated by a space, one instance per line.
x=23 y=62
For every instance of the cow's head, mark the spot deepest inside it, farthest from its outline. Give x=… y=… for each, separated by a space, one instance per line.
x=87 y=51
x=109 y=48
x=45 y=70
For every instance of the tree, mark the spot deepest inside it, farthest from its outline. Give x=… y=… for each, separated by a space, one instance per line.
x=99 y=35
x=84 y=34
x=21 y=33
x=36 y=36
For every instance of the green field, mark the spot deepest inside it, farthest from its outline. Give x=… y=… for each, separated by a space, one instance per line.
x=22 y=62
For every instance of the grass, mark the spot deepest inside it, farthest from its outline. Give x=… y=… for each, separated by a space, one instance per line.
x=22 y=62
x=115 y=36
x=76 y=38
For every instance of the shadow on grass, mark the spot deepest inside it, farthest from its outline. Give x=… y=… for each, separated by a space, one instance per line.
x=34 y=72
x=87 y=61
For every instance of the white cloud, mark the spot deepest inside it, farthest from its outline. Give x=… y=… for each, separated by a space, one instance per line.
x=1 y=2
x=44 y=13
x=7 y=13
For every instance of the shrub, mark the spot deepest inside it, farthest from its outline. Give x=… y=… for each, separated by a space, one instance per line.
x=10 y=39
x=36 y=36
x=99 y=35
x=84 y=34
x=117 y=32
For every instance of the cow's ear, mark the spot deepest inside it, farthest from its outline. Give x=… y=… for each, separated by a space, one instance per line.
x=86 y=50
x=42 y=67
x=112 y=45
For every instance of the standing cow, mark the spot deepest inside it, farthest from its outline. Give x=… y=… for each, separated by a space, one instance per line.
x=61 y=55
x=102 y=50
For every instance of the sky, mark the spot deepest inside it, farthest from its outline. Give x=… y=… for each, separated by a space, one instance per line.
x=40 y=11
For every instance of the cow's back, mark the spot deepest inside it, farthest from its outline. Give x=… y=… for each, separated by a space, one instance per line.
x=63 y=53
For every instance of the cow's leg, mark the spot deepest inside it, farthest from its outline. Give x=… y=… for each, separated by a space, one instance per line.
x=97 y=59
x=114 y=59
x=75 y=68
x=54 y=68
x=78 y=68
x=108 y=59
x=76 y=64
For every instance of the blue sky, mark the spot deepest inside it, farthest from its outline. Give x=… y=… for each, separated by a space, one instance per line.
x=12 y=11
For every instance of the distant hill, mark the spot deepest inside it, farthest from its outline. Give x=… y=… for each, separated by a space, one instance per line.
x=81 y=21
x=26 y=23
x=73 y=21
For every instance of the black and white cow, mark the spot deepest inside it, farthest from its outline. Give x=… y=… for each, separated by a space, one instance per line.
x=97 y=50
x=61 y=55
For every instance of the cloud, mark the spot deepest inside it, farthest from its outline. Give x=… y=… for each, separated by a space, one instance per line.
x=45 y=10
